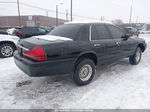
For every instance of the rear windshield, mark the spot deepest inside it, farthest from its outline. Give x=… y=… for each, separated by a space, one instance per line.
x=69 y=31
x=127 y=28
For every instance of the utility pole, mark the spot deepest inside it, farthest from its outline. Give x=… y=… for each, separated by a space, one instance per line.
x=71 y=11
x=47 y=12
x=130 y=15
x=130 y=20
x=137 y=19
x=56 y=15
x=19 y=13
x=101 y=18
x=66 y=15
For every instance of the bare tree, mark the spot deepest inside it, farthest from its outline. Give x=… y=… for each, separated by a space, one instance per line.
x=117 y=22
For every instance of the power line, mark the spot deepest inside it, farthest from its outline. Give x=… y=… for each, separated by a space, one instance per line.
x=47 y=10
x=55 y=11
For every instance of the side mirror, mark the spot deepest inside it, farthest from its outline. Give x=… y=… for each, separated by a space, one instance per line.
x=126 y=36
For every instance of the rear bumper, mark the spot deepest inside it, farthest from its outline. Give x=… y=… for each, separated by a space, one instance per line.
x=46 y=68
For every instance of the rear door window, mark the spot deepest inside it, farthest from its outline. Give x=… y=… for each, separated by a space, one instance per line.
x=99 y=32
x=31 y=29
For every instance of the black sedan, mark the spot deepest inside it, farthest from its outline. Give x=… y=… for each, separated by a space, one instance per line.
x=76 y=48
x=26 y=32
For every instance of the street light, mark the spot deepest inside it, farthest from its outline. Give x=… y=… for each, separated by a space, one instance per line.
x=57 y=13
x=71 y=11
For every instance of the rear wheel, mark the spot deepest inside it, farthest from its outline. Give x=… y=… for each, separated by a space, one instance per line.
x=136 y=58
x=6 y=50
x=84 y=72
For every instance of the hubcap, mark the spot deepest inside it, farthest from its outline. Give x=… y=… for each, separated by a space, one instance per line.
x=7 y=51
x=138 y=55
x=85 y=72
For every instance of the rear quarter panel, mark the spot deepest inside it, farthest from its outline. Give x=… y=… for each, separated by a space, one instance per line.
x=10 y=38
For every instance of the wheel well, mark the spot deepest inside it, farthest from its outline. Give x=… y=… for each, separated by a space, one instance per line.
x=142 y=47
x=8 y=42
x=91 y=56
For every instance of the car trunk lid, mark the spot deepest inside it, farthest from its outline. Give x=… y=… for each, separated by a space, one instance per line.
x=38 y=44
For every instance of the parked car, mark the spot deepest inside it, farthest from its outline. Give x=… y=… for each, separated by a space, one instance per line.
x=76 y=48
x=7 y=45
x=3 y=32
x=132 y=31
x=11 y=31
x=26 y=32
x=145 y=32
x=49 y=29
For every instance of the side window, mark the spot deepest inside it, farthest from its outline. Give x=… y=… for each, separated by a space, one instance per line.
x=31 y=30
x=41 y=30
x=115 y=32
x=94 y=35
x=99 y=32
x=24 y=29
x=83 y=34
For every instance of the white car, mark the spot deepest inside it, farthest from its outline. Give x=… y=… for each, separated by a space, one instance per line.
x=10 y=31
x=7 y=45
x=144 y=32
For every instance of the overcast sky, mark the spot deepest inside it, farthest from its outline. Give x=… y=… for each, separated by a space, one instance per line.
x=110 y=9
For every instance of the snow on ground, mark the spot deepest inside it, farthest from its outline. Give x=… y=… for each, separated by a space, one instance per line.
x=116 y=86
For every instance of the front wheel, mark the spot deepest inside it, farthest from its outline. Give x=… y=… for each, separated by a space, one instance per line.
x=136 y=58
x=84 y=72
x=6 y=50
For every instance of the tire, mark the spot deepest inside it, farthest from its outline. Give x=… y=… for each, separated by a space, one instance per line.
x=136 y=58
x=6 y=50
x=84 y=72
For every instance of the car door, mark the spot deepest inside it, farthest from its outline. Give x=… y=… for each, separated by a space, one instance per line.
x=31 y=31
x=102 y=43
x=123 y=47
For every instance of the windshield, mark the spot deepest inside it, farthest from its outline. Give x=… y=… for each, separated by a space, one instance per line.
x=67 y=30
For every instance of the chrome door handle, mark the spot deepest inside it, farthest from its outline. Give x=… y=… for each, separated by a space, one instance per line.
x=118 y=43
x=97 y=45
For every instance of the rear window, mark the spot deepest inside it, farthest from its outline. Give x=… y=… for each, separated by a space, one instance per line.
x=127 y=28
x=70 y=31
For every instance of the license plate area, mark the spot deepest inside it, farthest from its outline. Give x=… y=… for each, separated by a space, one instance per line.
x=20 y=50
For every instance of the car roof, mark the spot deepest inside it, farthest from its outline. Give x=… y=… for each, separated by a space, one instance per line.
x=88 y=22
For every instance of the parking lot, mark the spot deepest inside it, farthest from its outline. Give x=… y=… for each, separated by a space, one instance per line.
x=115 y=86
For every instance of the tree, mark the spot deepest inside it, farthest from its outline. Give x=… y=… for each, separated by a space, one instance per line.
x=117 y=22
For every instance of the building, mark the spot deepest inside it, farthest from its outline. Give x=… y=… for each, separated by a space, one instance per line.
x=32 y=20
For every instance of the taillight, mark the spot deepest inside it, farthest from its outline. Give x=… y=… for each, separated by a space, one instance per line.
x=130 y=31
x=19 y=32
x=37 y=53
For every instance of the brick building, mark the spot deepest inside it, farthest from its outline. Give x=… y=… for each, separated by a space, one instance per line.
x=33 y=20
